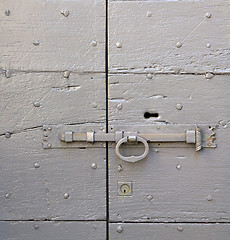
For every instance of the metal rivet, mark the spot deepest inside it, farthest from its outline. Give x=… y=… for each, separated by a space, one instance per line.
x=66 y=195
x=119 y=229
x=149 y=76
x=94 y=43
x=180 y=229
x=8 y=73
x=209 y=198
x=158 y=128
x=149 y=14
x=119 y=45
x=49 y=128
x=45 y=134
x=209 y=75
x=37 y=104
x=37 y=165
x=7 y=12
x=208 y=45
x=119 y=106
x=179 y=106
x=65 y=12
x=66 y=74
x=7 y=195
x=156 y=150
x=7 y=134
x=94 y=165
x=36 y=227
x=208 y=15
x=94 y=105
x=179 y=167
x=179 y=44
x=120 y=168
x=149 y=197
x=36 y=43
x=49 y=145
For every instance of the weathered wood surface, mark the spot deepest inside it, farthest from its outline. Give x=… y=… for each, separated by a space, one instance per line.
x=173 y=184
x=37 y=36
x=169 y=36
x=52 y=230
x=31 y=192
x=203 y=100
x=169 y=231
x=79 y=99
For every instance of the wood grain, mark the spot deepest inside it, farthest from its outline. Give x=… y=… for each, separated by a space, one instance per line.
x=52 y=230
x=150 y=30
x=65 y=43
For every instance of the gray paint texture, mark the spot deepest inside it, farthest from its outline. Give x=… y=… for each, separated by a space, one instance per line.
x=167 y=58
x=170 y=59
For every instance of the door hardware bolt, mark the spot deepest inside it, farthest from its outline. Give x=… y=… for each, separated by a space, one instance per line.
x=37 y=165
x=66 y=195
x=208 y=15
x=179 y=44
x=36 y=43
x=65 y=12
x=36 y=227
x=119 y=106
x=7 y=134
x=179 y=229
x=178 y=167
x=94 y=43
x=120 y=168
x=209 y=198
x=7 y=12
x=149 y=197
x=149 y=76
x=37 y=104
x=66 y=74
x=7 y=195
x=179 y=106
x=94 y=166
x=119 y=45
x=119 y=229
x=149 y=14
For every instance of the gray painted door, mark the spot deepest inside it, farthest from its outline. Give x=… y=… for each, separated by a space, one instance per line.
x=168 y=72
x=52 y=77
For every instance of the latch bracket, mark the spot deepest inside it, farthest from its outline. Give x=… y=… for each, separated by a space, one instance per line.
x=199 y=136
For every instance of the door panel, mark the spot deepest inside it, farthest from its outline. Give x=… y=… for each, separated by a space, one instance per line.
x=169 y=231
x=42 y=35
x=52 y=78
x=35 y=99
x=168 y=69
x=36 y=180
x=172 y=184
x=52 y=230
x=169 y=36
x=176 y=99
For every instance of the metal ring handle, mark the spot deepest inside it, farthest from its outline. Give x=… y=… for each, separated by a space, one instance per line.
x=132 y=158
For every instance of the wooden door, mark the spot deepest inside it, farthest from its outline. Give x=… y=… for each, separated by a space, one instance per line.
x=52 y=77
x=169 y=72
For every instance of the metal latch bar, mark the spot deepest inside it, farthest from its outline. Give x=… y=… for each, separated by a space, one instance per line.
x=120 y=137
x=188 y=137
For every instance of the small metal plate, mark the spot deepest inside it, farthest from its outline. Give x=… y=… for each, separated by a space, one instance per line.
x=125 y=188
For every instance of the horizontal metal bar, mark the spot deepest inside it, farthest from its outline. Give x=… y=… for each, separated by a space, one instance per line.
x=115 y=137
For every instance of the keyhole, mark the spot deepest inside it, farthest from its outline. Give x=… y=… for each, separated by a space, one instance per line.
x=125 y=189
x=151 y=115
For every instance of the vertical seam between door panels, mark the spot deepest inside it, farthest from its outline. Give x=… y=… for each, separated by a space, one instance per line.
x=107 y=114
